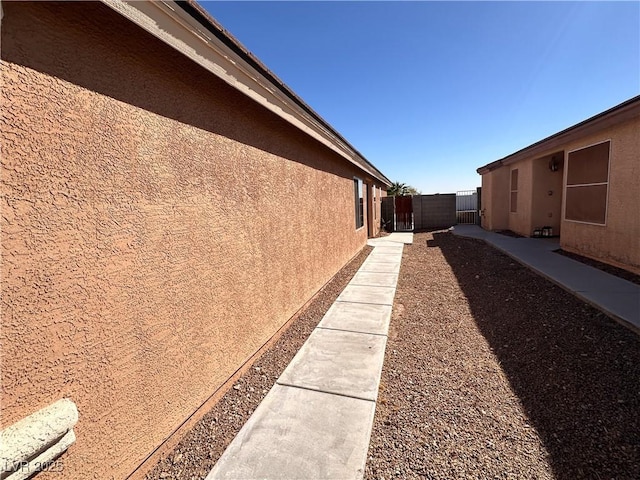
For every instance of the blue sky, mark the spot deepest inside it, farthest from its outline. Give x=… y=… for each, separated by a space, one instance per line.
x=430 y=91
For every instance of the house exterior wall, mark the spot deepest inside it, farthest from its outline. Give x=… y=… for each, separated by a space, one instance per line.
x=547 y=194
x=158 y=227
x=520 y=221
x=495 y=199
x=374 y=203
x=617 y=242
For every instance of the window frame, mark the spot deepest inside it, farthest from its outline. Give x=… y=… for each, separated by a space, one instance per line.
x=358 y=185
x=513 y=191
x=375 y=209
x=567 y=186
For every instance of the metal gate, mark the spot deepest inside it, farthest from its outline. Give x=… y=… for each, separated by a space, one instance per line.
x=467 y=207
x=397 y=214
x=404 y=213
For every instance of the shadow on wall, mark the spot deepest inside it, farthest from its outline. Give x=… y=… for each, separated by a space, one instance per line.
x=92 y=46
x=576 y=374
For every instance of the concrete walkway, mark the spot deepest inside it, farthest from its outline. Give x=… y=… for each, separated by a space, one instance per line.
x=316 y=421
x=618 y=298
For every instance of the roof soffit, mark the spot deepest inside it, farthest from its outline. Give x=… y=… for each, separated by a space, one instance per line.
x=168 y=22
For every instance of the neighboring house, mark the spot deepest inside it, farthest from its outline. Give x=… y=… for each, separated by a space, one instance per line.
x=583 y=182
x=168 y=204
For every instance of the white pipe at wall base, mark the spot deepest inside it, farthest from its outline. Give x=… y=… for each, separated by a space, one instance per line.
x=27 y=445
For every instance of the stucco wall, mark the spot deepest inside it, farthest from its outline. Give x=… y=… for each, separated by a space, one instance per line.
x=520 y=221
x=495 y=199
x=546 y=202
x=617 y=242
x=157 y=228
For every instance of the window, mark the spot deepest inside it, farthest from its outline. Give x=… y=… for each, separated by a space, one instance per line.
x=514 y=190
x=359 y=202
x=588 y=184
x=375 y=208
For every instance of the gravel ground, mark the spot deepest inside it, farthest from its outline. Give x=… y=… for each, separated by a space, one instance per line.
x=199 y=450
x=490 y=372
x=493 y=372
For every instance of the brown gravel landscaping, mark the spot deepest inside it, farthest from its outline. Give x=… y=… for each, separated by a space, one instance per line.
x=493 y=372
x=490 y=372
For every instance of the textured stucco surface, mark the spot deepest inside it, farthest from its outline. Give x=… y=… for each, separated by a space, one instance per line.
x=157 y=228
x=546 y=202
x=495 y=199
x=520 y=221
x=617 y=242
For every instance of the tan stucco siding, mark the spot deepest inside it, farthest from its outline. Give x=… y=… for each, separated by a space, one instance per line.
x=618 y=241
x=495 y=199
x=546 y=201
x=520 y=220
x=157 y=228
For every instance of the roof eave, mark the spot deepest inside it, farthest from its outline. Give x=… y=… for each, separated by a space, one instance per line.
x=188 y=28
x=620 y=113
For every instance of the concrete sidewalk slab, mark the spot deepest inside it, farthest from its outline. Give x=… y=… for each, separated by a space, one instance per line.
x=390 y=248
x=296 y=433
x=380 y=266
x=367 y=294
x=397 y=251
x=334 y=361
x=385 y=257
x=405 y=238
x=358 y=317
x=316 y=421
x=565 y=271
x=621 y=305
x=616 y=297
x=374 y=279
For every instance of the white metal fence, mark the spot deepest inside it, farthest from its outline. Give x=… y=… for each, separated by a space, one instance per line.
x=467 y=207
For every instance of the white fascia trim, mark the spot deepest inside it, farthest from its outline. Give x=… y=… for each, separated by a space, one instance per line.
x=168 y=22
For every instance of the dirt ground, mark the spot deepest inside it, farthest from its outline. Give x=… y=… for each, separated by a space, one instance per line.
x=490 y=372
x=493 y=372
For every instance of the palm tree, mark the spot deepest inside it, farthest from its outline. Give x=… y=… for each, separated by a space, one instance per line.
x=398 y=189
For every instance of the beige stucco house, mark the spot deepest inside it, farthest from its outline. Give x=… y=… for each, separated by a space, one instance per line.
x=168 y=204
x=583 y=182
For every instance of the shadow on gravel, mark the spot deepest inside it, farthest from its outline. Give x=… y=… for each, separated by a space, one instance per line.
x=575 y=371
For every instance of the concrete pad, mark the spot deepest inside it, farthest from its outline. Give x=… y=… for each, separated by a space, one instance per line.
x=380 y=266
x=614 y=296
x=296 y=433
x=385 y=257
x=397 y=249
x=622 y=306
x=402 y=237
x=405 y=238
x=577 y=277
x=364 y=294
x=358 y=317
x=375 y=279
x=378 y=242
x=334 y=361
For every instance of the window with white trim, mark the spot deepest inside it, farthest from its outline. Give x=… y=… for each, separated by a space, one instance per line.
x=375 y=208
x=588 y=184
x=359 y=202
x=514 y=191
